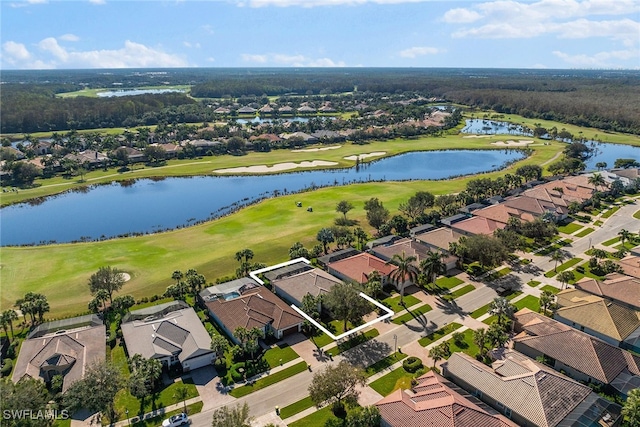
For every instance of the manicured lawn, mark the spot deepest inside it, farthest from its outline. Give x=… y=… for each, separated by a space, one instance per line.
x=412 y=314
x=356 y=340
x=296 y=407
x=279 y=355
x=597 y=223
x=119 y=358
x=550 y=288
x=610 y=242
x=316 y=419
x=533 y=283
x=394 y=302
x=489 y=320
x=466 y=346
x=456 y=294
x=563 y=267
x=531 y=302
x=584 y=232
x=398 y=378
x=384 y=363
x=480 y=311
x=268 y=380
x=321 y=340
x=570 y=228
x=124 y=399
x=436 y=335
x=448 y=282
x=637 y=215
x=62 y=423
x=610 y=212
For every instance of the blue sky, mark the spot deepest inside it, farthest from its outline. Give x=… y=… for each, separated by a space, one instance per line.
x=41 y=34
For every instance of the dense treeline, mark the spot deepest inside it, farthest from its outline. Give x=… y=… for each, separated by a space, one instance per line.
x=603 y=99
x=32 y=108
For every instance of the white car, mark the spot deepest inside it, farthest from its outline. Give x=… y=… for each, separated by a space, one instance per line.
x=176 y=420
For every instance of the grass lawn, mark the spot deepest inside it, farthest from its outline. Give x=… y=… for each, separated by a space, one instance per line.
x=384 y=363
x=412 y=314
x=533 y=283
x=480 y=311
x=119 y=359
x=560 y=244
x=563 y=267
x=296 y=407
x=317 y=419
x=62 y=423
x=436 y=335
x=321 y=340
x=356 y=340
x=394 y=302
x=278 y=355
x=584 y=232
x=124 y=399
x=610 y=212
x=611 y=242
x=445 y=282
x=456 y=294
x=531 y=302
x=570 y=228
x=398 y=378
x=550 y=288
x=466 y=346
x=637 y=215
x=268 y=380
x=194 y=408
x=151 y=259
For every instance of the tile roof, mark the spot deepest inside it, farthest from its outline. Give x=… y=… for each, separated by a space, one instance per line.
x=256 y=307
x=596 y=313
x=410 y=247
x=540 y=395
x=502 y=213
x=314 y=282
x=478 y=225
x=575 y=349
x=360 y=266
x=616 y=286
x=179 y=333
x=433 y=403
x=439 y=238
x=631 y=266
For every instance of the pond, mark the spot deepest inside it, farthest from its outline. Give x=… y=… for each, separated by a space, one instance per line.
x=132 y=92
x=147 y=206
x=602 y=151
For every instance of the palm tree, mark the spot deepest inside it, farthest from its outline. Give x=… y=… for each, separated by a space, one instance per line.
x=547 y=298
x=480 y=338
x=558 y=255
x=631 y=408
x=502 y=308
x=181 y=394
x=439 y=352
x=432 y=266
x=625 y=236
x=406 y=271
x=177 y=275
x=7 y=317
x=565 y=277
x=597 y=180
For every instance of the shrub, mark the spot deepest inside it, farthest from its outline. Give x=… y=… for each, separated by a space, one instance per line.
x=458 y=337
x=6 y=368
x=412 y=364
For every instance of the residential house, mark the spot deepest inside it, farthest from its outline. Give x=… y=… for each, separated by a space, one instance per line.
x=412 y=247
x=305 y=109
x=325 y=260
x=8 y=152
x=171 y=333
x=449 y=221
x=328 y=136
x=440 y=239
x=435 y=402
x=617 y=287
x=271 y=138
x=306 y=138
x=91 y=157
x=245 y=303
x=266 y=109
x=134 y=155
x=286 y=109
x=538 y=207
x=359 y=267
x=614 y=323
x=222 y=110
x=247 y=110
x=529 y=393
x=311 y=281
x=581 y=356
x=564 y=191
x=385 y=240
x=631 y=265
x=415 y=231
x=468 y=209
x=477 y=225
x=503 y=213
x=64 y=347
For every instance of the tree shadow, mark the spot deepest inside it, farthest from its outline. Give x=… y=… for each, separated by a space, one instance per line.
x=367 y=353
x=450 y=307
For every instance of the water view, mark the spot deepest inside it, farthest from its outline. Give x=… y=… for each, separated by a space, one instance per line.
x=132 y=92
x=147 y=205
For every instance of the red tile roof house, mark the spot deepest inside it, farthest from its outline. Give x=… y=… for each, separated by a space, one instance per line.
x=247 y=304
x=631 y=266
x=538 y=207
x=477 y=225
x=358 y=268
x=530 y=393
x=434 y=402
x=616 y=287
x=502 y=213
x=579 y=355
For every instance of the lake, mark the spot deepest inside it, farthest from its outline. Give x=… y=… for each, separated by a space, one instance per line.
x=147 y=205
x=132 y=92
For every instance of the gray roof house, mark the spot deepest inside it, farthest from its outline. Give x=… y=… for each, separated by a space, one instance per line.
x=171 y=333
x=312 y=281
x=64 y=348
x=529 y=393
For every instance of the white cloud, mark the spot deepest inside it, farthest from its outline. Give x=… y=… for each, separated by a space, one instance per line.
x=416 y=51
x=291 y=60
x=69 y=37
x=600 y=59
x=461 y=16
x=190 y=45
x=131 y=55
x=98 y=2
x=315 y=3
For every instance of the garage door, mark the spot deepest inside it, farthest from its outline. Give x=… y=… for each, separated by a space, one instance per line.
x=197 y=362
x=290 y=331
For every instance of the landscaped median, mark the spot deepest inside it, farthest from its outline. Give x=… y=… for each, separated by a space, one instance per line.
x=563 y=267
x=268 y=380
x=412 y=314
x=436 y=335
x=458 y=293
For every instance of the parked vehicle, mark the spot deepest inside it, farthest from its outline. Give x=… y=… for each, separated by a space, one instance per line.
x=176 y=420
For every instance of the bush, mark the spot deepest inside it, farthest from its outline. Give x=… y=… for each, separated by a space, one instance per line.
x=235 y=375
x=6 y=368
x=11 y=351
x=411 y=364
x=458 y=337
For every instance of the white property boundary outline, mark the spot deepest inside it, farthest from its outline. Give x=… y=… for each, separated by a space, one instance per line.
x=254 y=276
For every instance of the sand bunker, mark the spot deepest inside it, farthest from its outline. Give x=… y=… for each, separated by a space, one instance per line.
x=126 y=276
x=275 y=168
x=478 y=136
x=512 y=143
x=310 y=150
x=364 y=156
